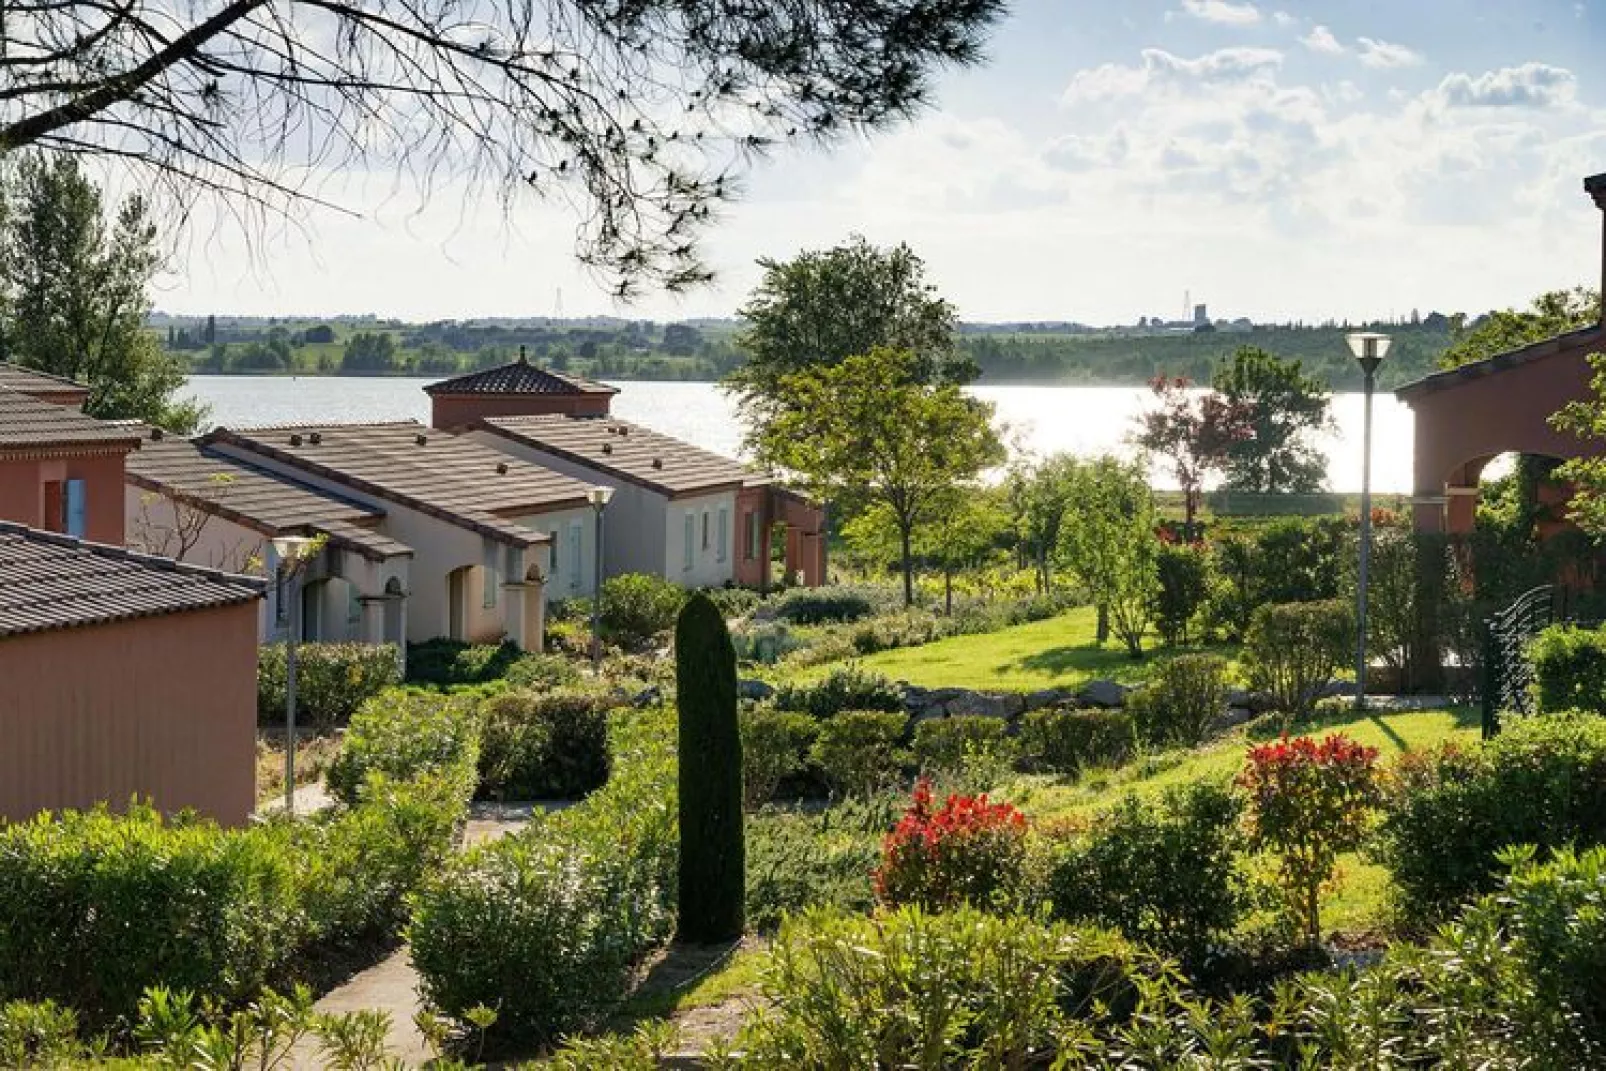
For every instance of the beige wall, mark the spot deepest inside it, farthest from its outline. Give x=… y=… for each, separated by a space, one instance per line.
x=162 y=707
x=714 y=565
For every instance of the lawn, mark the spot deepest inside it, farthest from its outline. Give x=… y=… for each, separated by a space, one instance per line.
x=1057 y=652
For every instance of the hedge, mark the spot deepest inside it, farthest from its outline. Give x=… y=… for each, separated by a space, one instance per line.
x=1569 y=666
x=332 y=680
x=405 y=734
x=546 y=924
x=1067 y=741
x=537 y=746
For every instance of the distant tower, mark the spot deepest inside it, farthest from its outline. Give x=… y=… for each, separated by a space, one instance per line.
x=1187 y=303
x=557 y=305
x=1201 y=314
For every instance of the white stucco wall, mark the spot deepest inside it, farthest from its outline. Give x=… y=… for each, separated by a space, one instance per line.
x=569 y=574
x=713 y=564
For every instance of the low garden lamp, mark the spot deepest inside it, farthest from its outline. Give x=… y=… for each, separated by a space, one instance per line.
x=1369 y=349
x=598 y=497
x=291 y=552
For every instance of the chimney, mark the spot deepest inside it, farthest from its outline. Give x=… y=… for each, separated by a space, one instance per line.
x=1595 y=186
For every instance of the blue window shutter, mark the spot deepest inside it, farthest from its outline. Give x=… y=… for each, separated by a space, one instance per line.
x=75 y=508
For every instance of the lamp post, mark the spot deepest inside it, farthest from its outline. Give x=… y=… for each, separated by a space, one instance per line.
x=291 y=551
x=598 y=497
x=1369 y=349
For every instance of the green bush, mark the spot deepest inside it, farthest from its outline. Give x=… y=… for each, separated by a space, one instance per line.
x=775 y=746
x=799 y=860
x=766 y=643
x=734 y=601
x=1183 y=700
x=543 y=746
x=638 y=607
x=543 y=672
x=1068 y=741
x=849 y=688
x=332 y=680
x=1292 y=650
x=1291 y=560
x=546 y=924
x=1184 y=586
x=816 y=606
x=405 y=734
x=448 y=662
x=1541 y=782
x=857 y=751
x=1569 y=666
x=945 y=745
x=1166 y=873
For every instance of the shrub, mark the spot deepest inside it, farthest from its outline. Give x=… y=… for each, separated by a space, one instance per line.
x=775 y=746
x=734 y=601
x=542 y=746
x=1165 y=873
x=1449 y=814
x=1184 y=573
x=799 y=860
x=966 y=850
x=543 y=671
x=712 y=850
x=1292 y=650
x=849 y=688
x=815 y=606
x=447 y=662
x=637 y=607
x=765 y=643
x=1569 y=667
x=332 y=680
x=405 y=735
x=1307 y=803
x=857 y=751
x=545 y=925
x=1068 y=741
x=947 y=744
x=1183 y=700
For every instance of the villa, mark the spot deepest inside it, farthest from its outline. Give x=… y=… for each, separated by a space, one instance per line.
x=60 y=471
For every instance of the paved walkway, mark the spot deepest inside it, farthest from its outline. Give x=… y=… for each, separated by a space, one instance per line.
x=310 y=799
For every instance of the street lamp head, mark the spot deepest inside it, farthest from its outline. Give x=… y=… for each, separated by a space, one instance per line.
x=598 y=496
x=291 y=548
x=1368 y=345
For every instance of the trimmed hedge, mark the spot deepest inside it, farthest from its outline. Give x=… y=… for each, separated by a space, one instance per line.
x=537 y=746
x=849 y=688
x=447 y=662
x=946 y=744
x=332 y=680
x=546 y=924
x=857 y=751
x=835 y=604
x=405 y=734
x=1068 y=741
x=1569 y=665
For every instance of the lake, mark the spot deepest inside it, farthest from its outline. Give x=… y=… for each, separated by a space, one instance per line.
x=1081 y=420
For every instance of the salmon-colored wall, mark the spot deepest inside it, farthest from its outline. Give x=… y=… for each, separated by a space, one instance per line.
x=753 y=572
x=453 y=412
x=22 y=492
x=162 y=707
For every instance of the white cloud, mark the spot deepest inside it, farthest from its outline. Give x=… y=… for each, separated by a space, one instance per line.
x=1222 y=11
x=1284 y=19
x=1161 y=69
x=1321 y=39
x=1376 y=53
x=1532 y=85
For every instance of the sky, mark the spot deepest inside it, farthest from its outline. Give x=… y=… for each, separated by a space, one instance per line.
x=1302 y=159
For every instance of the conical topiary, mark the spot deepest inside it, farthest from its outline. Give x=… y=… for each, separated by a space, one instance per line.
x=713 y=854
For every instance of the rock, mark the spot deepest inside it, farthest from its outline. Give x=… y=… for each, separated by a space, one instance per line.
x=753 y=690
x=648 y=697
x=1102 y=693
x=979 y=704
x=1234 y=717
x=1336 y=688
x=1049 y=697
x=1239 y=697
x=1259 y=702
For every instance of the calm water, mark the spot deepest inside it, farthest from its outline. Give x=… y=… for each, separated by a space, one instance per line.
x=1082 y=420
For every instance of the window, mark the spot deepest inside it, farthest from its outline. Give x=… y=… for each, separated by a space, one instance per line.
x=552 y=549
x=705 y=531
x=75 y=525
x=488 y=567
x=574 y=554
x=55 y=517
x=688 y=546
x=724 y=533
x=755 y=531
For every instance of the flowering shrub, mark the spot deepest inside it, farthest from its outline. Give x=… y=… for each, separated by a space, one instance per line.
x=1308 y=802
x=966 y=851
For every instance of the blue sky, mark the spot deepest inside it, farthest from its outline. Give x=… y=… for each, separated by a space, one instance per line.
x=1276 y=160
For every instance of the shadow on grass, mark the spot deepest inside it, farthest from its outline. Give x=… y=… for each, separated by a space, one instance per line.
x=670 y=978
x=1111 y=660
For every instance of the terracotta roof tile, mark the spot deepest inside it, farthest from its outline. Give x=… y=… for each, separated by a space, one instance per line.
x=518 y=377
x=1583 y=337
x=628 y=451
x=28 y=422
x=50 y=581
x=37 y=384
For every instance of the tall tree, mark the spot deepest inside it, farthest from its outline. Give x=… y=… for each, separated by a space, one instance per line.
x=73 y=293
x=869 y=429
x=824 y=306
x=1552 y=313
x=1193 y=430
x=1041 y=494
x=1282 y=408
x=642 y=111
x=1109 y=544
x=966 y=527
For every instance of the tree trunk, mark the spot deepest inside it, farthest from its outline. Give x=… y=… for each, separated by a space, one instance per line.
x=948 y=592
x=906 y=537
x=1103 y=633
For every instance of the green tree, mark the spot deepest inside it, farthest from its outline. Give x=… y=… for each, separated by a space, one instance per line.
x=824 y=306
x=1586 y=419
x=1109 y=544
x=868 y=428
x=965 y=528
x=1193 y=431
x=1040 y=495
x=1283 y=408
x=369 y=351
x=73 y=294
x=1550 y=314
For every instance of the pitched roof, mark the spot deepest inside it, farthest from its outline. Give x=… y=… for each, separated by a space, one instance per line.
x=432 y=471
x=1581 y=338
x=518 y=377
x=627 y=451
x=41 y=384
x=28 y=423
x=227 y=487
x=50 y=581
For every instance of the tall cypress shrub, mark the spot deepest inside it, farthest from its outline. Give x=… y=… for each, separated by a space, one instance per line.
x=712 y=850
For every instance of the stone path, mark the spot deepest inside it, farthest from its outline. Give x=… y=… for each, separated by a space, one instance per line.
x=310 y=799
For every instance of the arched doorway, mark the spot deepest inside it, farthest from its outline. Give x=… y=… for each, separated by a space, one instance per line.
x=395 y=625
